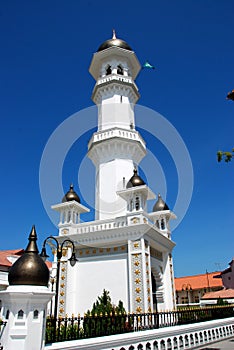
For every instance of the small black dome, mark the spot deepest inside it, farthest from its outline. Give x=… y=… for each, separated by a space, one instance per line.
x=135 y=180
x=114 y=42
x=160 y=204
x=29 y=269
x=71 y=195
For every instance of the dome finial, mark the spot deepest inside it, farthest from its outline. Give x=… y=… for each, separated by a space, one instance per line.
x=113 y=34
x=32 y=245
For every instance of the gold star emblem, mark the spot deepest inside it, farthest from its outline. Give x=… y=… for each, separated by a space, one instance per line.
x=138 y=309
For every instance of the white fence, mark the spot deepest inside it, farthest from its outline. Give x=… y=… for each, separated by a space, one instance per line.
x=190 y=336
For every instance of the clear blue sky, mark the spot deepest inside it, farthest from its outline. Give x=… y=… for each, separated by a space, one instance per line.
x=46 y=48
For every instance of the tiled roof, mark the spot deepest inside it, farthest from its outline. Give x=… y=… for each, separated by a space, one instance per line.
x=224 y=294
x=5 y=253
x=205 y=280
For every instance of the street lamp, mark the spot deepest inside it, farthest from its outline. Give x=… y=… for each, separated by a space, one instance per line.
x=188 y=289
x=72 y=260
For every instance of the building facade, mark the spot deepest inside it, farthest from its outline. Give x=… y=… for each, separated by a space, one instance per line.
x=125 y=250
x=190 y=289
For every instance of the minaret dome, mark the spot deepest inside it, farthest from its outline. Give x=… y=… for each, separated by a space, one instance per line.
x=114 y=42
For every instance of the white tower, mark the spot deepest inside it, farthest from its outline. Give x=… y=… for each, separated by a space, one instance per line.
x=126 y=250
x=116 y=148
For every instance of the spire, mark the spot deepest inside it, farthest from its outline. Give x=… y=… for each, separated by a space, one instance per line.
x=32 y=245
x=114 y=34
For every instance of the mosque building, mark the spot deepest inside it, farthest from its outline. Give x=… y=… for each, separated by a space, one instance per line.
x=126 y=250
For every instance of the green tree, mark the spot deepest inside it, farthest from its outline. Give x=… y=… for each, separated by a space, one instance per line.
x=103 y=306
x=105 y=318
x=226 y=156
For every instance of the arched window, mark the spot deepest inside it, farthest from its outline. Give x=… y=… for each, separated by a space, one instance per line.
x=137 y=203
x=20 y=314
x=7 y=314
x=35 y=314
x=108 y=70
x=119 y=69
x=162 y=224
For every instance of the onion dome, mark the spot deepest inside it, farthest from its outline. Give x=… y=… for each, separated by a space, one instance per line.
x=114 y=42
x=135 y=180
x=160 y=204
x=71 y=195
x=29 y=269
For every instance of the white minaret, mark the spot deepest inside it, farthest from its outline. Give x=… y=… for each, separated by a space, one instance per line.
x=116 y=148
x=125 y=250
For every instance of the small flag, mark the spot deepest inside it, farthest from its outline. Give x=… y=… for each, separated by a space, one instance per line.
x=148 y=65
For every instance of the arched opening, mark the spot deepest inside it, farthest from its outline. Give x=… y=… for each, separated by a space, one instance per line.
x=20 y=314
x=35 y=314
x=163 y=224
x=137 y=203
x=108 y=70
x=7 y=314
x=154 y=288
x=119 y=69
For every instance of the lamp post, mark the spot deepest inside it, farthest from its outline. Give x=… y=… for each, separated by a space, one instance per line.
x=188 y=289
x=72 y=259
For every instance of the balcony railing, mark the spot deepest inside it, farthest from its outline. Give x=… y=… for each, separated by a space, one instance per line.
x=72 y=328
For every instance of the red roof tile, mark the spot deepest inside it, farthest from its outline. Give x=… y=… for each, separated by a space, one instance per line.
x=198 y=281
x=224 y=294
x=5 y=253
x=15 y=252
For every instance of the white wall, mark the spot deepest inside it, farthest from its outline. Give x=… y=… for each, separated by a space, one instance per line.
x=92 y=276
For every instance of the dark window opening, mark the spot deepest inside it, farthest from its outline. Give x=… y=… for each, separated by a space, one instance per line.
x=108 y=70
x=35 y=314
x=137 y=203
x=20 y=314
x=119 y=70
